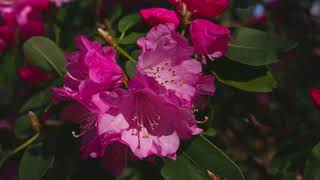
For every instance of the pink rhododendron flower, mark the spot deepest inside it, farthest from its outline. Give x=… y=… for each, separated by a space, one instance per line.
x=114 y=157
x=315 y=95
x=155 y=16
x=203 y=8
x=167 y=57
x=209 y=39
x=33 y=75
x=91 y=70
x=147 y=121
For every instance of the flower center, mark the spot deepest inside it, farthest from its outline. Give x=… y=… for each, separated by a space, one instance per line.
x=145 y=116
x=163 y=73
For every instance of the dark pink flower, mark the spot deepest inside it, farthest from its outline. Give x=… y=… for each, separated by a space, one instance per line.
x=315 y=95
x=147 y=121
x=32 y=28
x=24 y=16
x=91 y=70
x=203 y=8
x=156 y=16
x=167 y=57
x=33 y=75
x=209 y=39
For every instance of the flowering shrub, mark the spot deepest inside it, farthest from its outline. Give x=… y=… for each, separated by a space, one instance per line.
x=177 y=89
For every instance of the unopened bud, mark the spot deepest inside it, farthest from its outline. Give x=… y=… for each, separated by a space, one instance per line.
x=107 y=37
x=34 y=120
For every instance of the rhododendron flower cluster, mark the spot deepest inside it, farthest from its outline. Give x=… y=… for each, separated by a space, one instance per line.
x=153 y=113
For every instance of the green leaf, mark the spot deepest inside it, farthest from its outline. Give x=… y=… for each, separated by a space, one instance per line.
x=128 y=22
x=130 y=68
x=256 y=48
x=23 y=128
x=200 y=156
x=312 y=166
x=131 y=38
x=45 y=54
x=244 y=77
x=182 y=169
x=34 y=163
x=36 y=101
x=8 y=78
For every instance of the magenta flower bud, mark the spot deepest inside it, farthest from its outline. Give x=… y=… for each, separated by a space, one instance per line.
x=33 y=75
x=155 y=16
x=203 y=8
x=315 y=96
x=209 y=39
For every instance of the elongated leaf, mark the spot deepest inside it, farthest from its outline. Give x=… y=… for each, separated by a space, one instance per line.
x=34 y=163
x=256 y=48
x=45 y=54
x=128 y=22
x=131 y=38
x=199 y=157
x=36 y=101
x=244 y=77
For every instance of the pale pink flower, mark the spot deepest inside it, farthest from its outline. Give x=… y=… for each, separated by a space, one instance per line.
x=147 y=121
x=167 y=57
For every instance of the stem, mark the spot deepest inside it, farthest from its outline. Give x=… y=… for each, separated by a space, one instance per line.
x=109 y=39
x=124 y=53
x=25 y=144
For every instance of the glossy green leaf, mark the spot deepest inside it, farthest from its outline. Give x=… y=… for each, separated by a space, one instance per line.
x=244 y=77
x=36 y=101
x=128 y=22
x=182 y=169
x=34 y=163
x=256 y=48
x=200 y=156
x=131 y=38
x=45 y=54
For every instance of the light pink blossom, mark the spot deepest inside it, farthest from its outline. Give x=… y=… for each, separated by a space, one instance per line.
x=147 y=121
x=167 y=57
